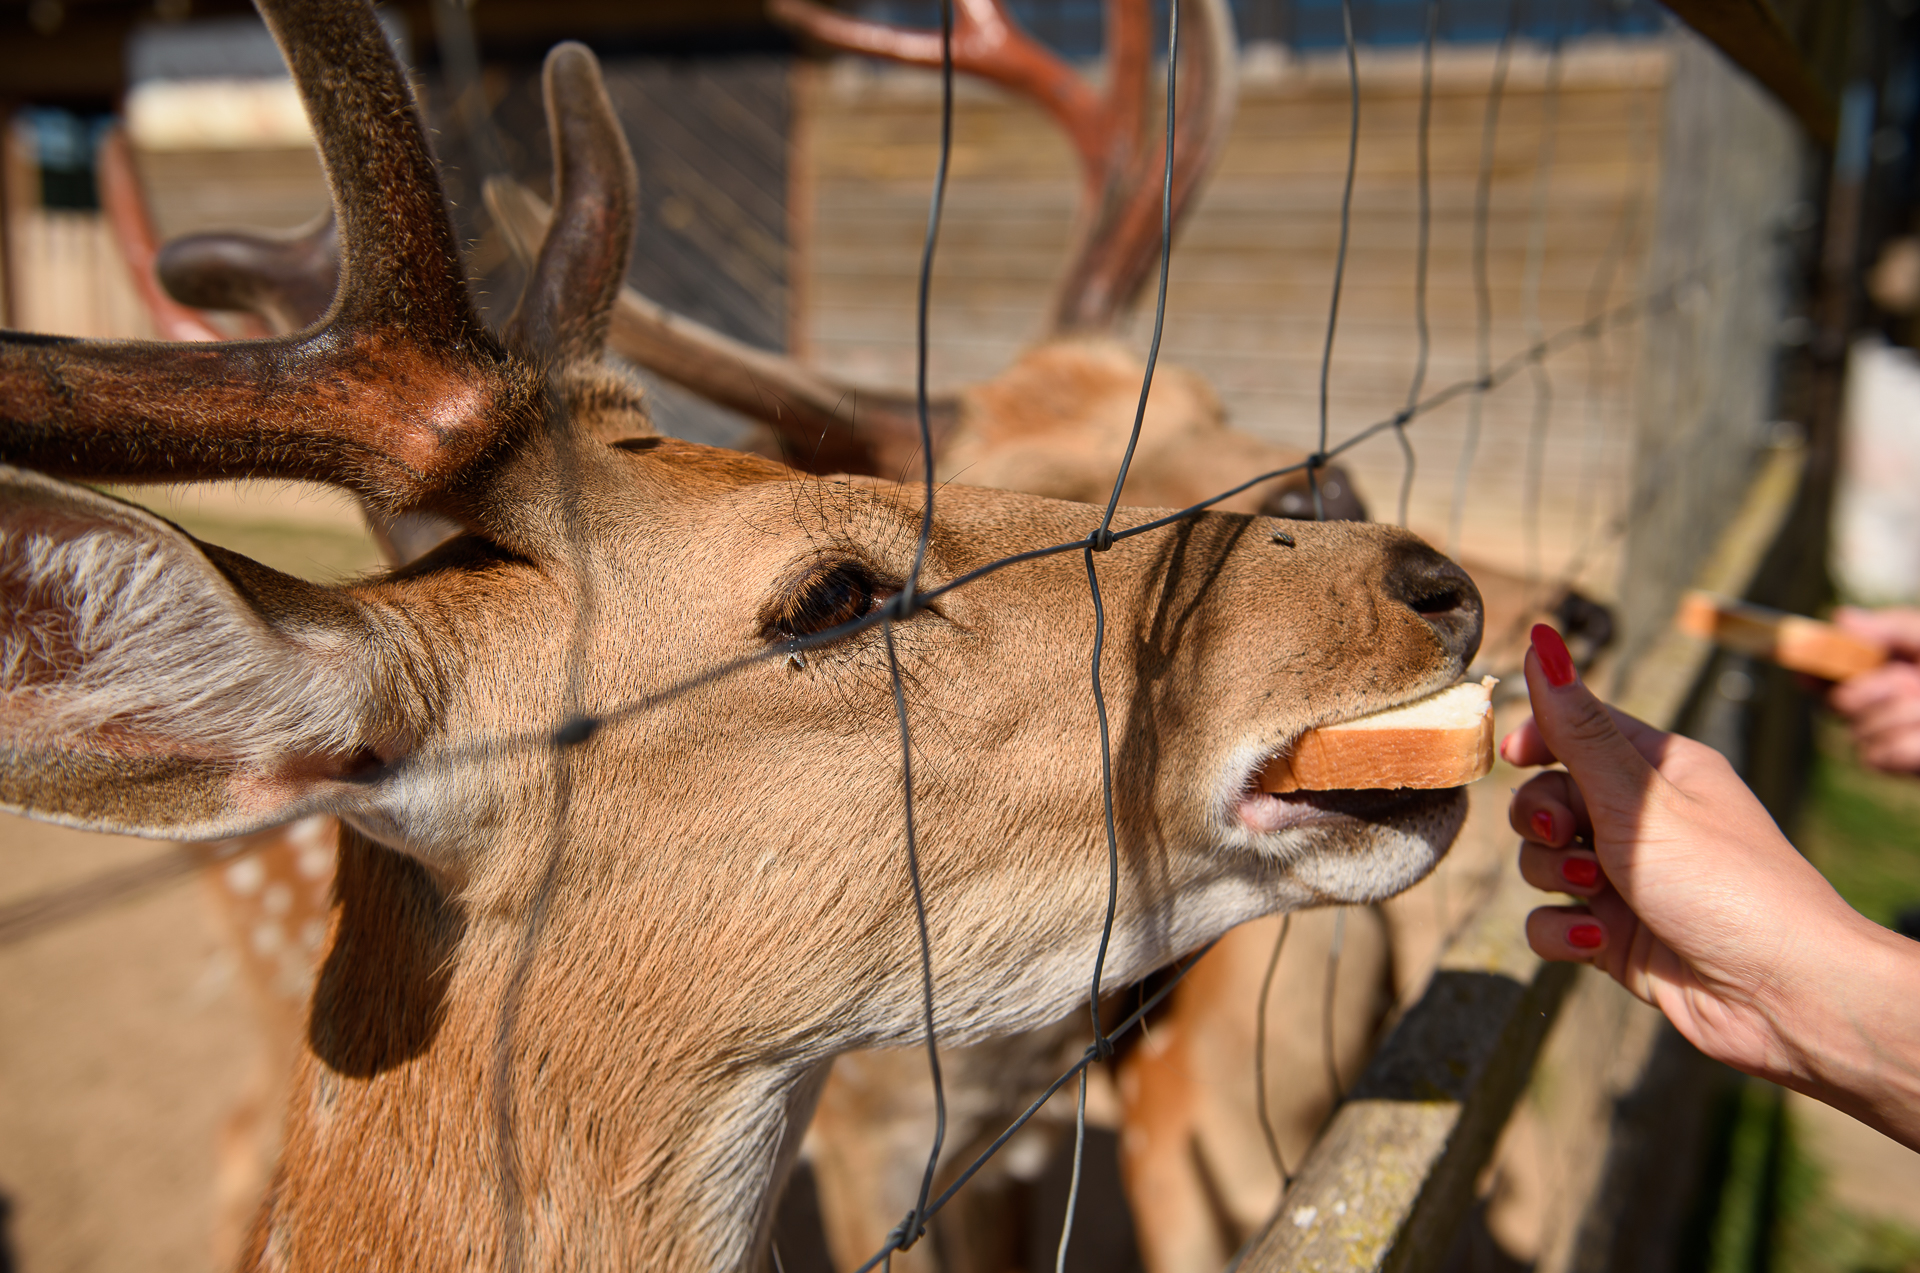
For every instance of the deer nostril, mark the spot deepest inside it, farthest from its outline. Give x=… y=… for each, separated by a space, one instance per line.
x=1439 y=603
x=1442 y=594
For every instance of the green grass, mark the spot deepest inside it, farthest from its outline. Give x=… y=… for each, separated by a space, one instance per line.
x=318 y=553
x=1813 y=1234
x=1862 y=829
x=325 y=552
x=1769 y=1208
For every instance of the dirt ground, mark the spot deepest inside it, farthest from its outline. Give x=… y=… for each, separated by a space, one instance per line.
x=124 y=1037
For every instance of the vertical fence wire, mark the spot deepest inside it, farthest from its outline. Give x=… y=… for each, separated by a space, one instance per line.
x=1340 y=257
x=1261 y=1103
x=1482 y=284
x=1100 y=541
x=1423 y=252
x=1530 y=316
x=913 y=1226
x=1328 y=1055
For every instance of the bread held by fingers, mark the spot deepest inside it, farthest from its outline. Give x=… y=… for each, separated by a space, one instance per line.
x=1793 y=641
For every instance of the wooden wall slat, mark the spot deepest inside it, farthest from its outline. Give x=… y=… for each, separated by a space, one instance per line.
x=1253 y=266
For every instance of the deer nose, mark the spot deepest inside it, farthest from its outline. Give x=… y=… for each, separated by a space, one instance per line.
x=1442 y=594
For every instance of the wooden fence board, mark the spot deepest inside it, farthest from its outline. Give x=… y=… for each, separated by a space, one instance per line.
x=1252 y=269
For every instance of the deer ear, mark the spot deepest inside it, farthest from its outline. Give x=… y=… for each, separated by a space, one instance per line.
x=155 y=686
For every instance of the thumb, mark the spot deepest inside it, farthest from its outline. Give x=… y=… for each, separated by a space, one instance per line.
x=1580 y=731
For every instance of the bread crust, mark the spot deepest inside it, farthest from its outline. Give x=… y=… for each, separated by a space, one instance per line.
x=1365 y=755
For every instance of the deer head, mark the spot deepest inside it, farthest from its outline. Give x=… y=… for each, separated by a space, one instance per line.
x=619 y=878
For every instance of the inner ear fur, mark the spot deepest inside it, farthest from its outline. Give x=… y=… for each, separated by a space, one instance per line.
x=153 y=685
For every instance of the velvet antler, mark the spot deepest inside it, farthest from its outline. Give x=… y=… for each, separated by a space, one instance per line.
x=824 y=425
x=401 y=394
x=287 y=279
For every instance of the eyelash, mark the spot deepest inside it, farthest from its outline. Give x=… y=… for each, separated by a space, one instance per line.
x=830 y=594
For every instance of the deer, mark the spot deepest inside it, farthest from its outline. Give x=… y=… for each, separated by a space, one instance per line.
x=590 y=957
x=1053 y=424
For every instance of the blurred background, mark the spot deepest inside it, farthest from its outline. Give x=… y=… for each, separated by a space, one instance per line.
x=1773 y=281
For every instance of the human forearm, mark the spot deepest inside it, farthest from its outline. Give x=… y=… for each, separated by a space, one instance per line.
x=1855 y=1035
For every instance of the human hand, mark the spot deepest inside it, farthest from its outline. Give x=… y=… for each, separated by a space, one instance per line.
x=1697 y=904
x=1882 y=707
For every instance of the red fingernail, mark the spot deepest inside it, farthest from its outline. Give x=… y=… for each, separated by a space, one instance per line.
x=1554 y=659
x=1581 y=873
x=1543 y=824
x=1586 y=936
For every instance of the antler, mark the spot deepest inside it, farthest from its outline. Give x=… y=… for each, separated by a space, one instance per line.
x=401 y=393
x=287 y=279
x=584 y=258
x=1119 y=237
x=826 y=425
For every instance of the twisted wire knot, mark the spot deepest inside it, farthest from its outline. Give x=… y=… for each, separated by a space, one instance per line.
x=1100 y=540
x=910 y=1230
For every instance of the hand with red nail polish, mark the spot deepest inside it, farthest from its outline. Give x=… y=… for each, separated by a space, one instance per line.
x=1693 y=900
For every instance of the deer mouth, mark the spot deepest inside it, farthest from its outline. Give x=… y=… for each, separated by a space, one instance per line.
x=1376 y=766
x=1270 y=811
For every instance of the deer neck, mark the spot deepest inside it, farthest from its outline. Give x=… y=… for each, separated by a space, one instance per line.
x=445 y=1115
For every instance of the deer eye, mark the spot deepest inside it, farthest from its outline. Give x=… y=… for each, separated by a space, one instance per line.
x=827 y=595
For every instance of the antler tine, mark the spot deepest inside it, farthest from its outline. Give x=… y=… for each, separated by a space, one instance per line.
x=1120 y=164
x=126 y=209
x=402 y=265
x=397 y=397
x=563 y=313
x=287 y=279
x=1120 y=245
x=987 y=42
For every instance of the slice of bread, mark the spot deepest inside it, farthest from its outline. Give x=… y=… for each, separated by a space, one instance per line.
x=1443 y=740
x=1794 y=642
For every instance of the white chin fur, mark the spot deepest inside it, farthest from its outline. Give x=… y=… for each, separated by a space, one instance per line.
x=1355 y=854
